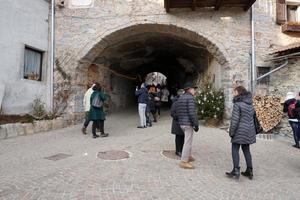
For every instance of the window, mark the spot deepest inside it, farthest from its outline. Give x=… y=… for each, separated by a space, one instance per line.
x=293 y=13
x=288 y=11
x=261 y=71
x=33 y=60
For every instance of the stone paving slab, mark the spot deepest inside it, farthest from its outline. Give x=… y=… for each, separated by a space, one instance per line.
x=147 y=174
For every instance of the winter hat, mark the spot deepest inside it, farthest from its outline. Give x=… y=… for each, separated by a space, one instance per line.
x=189 y=85
x=290 y=95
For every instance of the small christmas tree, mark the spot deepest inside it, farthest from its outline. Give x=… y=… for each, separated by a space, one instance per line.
x=210 y=102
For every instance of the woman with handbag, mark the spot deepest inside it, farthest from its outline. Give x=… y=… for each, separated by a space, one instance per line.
x=242 y=131
x=96 y=113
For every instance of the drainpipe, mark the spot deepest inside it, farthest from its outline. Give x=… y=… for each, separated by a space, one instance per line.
x=253 y=64
x=52 y=54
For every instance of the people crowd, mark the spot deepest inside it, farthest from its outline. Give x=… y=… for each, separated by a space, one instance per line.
x=150 y=98
x=243 y=125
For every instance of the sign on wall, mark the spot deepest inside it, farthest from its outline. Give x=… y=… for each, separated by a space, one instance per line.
x=81 y=3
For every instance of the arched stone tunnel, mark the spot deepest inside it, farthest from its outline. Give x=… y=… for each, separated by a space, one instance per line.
x=122 y=60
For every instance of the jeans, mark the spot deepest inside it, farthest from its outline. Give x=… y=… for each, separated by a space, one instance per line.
x=235 y=148
x=296 y=131
x=148 y=118
x=142 y=114
x=188 y=141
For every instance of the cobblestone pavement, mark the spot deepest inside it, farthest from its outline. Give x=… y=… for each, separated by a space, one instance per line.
x=146 y=175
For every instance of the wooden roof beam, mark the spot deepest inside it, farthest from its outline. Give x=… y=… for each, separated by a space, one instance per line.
x=218 y=4
x=251 y=2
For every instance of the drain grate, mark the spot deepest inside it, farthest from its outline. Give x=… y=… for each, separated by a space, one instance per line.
x=113 y=155
x=58 y=156
x=170 y=154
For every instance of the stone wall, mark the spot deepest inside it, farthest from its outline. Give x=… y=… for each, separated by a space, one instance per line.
x=23 y=129
x=82 y=34
x=287 y=79
x=269 y=37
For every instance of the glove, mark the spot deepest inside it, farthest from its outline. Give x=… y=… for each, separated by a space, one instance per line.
x=196 y=128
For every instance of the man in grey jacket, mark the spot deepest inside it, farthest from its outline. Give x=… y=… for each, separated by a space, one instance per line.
x=186 y=112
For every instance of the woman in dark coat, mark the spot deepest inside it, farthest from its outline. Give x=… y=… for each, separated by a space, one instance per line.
x=176 y=130
x=96 y=114
x=242 y=131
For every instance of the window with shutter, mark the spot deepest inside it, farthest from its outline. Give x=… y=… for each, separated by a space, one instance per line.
x=288 y=15
x=281 y=12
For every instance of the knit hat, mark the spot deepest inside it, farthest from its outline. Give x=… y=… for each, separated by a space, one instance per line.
x=189 y=85
x=290 y=95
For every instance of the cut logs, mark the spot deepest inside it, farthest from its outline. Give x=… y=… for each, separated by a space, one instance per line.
x=269 y=111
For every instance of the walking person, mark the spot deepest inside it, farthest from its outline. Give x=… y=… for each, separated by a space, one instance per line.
x=157 y=101
x=290 y=106
x=186 y=114
x=176 y=129
x=242 y=131
x=151 y=104
x=96 y=113
x=148 y=110
x=142 y=95
x=87 y=106
x=165 y=96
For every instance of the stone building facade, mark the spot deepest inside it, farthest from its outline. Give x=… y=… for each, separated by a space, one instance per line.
x=118 y=42
x=24 y=41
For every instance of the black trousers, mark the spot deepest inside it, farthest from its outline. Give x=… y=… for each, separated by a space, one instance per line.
x=235 y=148
x=157 y=109
x=86 y=121
x=98 y=124
x=179 y=141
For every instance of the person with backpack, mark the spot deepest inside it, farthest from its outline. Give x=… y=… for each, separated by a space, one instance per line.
x=87 y=106
x=291 y=105
x=96 y=113
x=242 y=131
x=186 y=113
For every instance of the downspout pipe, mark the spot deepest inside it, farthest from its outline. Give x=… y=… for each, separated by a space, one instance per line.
x=52 y=55
x=253 y=63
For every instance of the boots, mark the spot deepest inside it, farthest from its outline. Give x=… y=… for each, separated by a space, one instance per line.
x=248 y=173
x=83 y=130
x=235 y=173
x=104 y=134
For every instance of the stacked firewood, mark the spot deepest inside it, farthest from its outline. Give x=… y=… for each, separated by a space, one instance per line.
x=268 y=111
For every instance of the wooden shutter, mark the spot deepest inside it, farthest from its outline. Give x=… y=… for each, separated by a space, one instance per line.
x=281 y=12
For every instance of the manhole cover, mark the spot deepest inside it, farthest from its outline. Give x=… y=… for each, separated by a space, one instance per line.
x=113 y=155
x=58 y=156
x=170 y=154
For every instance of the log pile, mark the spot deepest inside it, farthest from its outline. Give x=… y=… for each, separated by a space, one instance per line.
x=268 y=110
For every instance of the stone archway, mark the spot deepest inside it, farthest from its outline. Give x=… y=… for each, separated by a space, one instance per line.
x=104 y=46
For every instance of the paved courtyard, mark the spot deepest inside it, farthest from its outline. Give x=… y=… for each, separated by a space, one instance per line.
x=146 y=175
